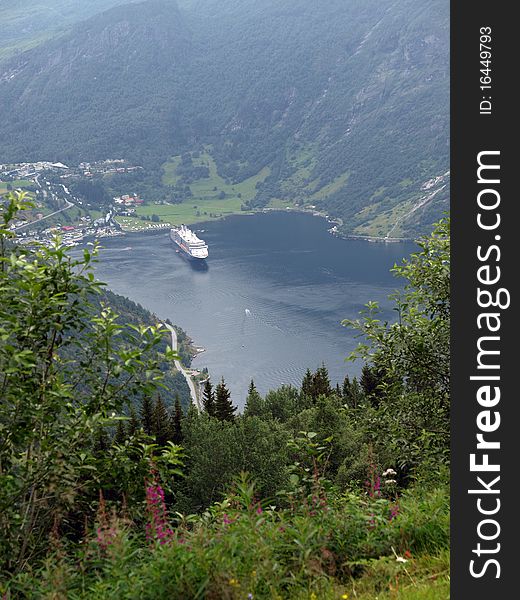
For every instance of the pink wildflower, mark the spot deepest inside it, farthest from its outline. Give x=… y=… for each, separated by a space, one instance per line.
x=158 y=528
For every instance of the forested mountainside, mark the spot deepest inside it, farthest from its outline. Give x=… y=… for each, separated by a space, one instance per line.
x=341 y=105
x=25 y=23
x=132 y=314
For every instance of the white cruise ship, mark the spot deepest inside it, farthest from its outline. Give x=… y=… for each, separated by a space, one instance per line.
x=189 y=243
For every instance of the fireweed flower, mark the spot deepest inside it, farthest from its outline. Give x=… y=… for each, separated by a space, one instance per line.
x=374 y=487
x=157 y=528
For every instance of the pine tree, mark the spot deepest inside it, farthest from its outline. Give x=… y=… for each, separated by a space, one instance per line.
x=208 y=398
x=254 y=401
x=346 y=390
x=307 y=388
x=133 y=422
x=371 y=379
x=321 y=383
x=120 y=435
x=177 y=416
x=146 y=415
x=351 y=392
x=224 y=409
x=356 y=394
x=161 y=422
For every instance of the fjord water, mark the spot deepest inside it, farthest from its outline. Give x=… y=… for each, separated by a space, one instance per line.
x=268 y=302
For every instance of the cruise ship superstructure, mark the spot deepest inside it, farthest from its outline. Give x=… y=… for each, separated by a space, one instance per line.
x=189 y=243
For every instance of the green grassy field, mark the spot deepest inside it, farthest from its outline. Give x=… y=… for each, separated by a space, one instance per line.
x=192 y=211
x=206 y=203
x=17 y=183
x=204 y=189
x=280 y=203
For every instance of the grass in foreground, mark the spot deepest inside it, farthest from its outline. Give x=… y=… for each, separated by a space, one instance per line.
x=426 y=577
x=241 y=549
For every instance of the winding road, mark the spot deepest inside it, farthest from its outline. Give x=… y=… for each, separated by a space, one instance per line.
x=179 y=367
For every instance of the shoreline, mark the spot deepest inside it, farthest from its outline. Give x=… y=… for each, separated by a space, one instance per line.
x=338 y=221
x=335 y=221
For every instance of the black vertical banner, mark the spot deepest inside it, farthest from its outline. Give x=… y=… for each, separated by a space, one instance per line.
x=485 y=235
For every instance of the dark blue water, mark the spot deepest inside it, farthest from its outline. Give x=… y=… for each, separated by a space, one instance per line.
x=270 y=299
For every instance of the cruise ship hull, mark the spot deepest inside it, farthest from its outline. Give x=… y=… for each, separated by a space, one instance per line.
x=196 y=254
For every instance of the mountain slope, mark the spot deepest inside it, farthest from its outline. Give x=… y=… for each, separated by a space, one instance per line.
x=81 y=94
x=345 y=102
x=25 y=23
